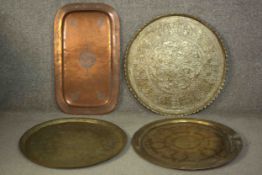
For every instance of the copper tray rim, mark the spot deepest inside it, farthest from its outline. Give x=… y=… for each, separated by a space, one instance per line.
x=223 y=79
x=231 y=136
x=32 y=130
x=58 y=57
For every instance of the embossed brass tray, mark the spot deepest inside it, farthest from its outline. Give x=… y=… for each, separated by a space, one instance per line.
x=187 y=144
x=72 y=142
x=175 y=65
x=86 y=51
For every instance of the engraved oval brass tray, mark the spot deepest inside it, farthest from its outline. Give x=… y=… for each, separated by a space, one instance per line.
x=72 y=142
x=175 y=65
x=187 y=144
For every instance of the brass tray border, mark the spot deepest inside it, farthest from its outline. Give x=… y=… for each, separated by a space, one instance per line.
x=232 y=137
x=58 y=57
x=223 y=81
x=37 y=127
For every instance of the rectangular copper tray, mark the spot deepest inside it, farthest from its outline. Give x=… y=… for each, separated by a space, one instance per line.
x=86 y=51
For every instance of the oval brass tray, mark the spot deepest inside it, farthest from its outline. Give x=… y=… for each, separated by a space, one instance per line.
x=187 y=144
x=175 y=65
x=72 y=142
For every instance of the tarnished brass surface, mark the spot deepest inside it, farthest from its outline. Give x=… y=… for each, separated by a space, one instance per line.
x=175 y=65
x=187 y=144
x=87 y=58
x=72 y=142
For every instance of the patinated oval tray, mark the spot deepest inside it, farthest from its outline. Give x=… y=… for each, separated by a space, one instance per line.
x=187 y=144
x=72 y=142
x=175 y=65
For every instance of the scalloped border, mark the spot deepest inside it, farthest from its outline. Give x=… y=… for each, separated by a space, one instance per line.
x=219 y=89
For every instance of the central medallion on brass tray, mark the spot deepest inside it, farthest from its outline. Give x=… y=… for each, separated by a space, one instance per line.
x=175 y=65
x=187 y=144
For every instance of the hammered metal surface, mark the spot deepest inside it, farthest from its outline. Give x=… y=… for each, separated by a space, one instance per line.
x=175 y=65
x=86 y=58
x=72 y=143
x=187 y=144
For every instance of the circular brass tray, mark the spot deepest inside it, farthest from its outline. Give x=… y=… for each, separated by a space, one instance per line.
x=187 y=144
x=175 y=65
x=72 y=142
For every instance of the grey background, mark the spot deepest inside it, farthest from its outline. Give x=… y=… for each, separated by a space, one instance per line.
x=27 y=79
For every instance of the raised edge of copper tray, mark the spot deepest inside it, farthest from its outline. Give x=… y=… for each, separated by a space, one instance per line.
x=40 y=144
x=179 y=151
x=110 y=103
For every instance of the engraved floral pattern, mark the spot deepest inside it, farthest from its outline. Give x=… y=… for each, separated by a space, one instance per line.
x=176 y=65
x=184 y=143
